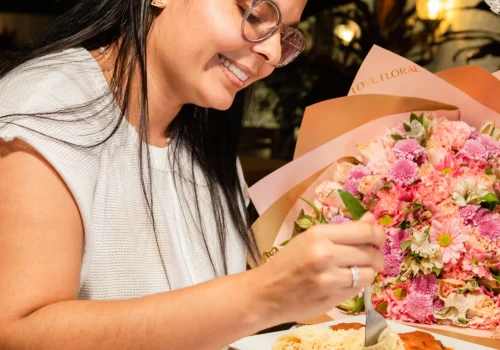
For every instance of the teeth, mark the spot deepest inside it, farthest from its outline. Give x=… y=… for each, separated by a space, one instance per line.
x=233 y=69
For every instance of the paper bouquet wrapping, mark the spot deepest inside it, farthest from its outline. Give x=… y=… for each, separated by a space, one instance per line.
x=421 y=151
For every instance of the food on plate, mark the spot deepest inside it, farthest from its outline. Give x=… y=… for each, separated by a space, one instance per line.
x=325 y=338
x=350 y=336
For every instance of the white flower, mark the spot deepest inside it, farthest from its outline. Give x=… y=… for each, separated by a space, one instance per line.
x=455 y=309
x=468 y=192
x=417 y=131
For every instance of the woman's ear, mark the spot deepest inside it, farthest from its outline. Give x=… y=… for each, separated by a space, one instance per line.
x=159 y=3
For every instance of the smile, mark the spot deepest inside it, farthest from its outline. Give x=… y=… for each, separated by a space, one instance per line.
x=232 y=69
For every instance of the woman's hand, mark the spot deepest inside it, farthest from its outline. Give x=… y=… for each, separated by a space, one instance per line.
x=312 y=274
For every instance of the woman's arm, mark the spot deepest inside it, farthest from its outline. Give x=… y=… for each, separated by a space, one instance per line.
x=41 y=238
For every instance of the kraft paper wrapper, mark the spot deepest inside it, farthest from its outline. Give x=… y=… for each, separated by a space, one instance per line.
x=383 y=72
x=497 y=74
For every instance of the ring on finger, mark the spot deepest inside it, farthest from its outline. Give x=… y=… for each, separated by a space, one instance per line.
x=355 y=276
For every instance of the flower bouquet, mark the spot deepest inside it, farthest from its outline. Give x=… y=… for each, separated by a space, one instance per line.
x=423 y=156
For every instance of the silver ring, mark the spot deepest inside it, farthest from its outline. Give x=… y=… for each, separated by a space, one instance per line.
x=355 y=276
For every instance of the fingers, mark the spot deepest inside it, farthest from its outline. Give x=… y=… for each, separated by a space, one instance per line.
x=353 y=233
x=366 y=276
x=361 y=256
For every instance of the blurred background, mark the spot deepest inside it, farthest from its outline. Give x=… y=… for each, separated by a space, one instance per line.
x=436 y=34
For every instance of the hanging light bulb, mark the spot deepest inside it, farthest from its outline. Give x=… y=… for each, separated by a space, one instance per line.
x=494 y=5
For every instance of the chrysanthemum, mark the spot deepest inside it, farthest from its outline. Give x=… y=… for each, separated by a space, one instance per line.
x=358 y=172
x=409 y=149
x=450 y=235
x=474 y=150
x=404 y=172
x=425 y=284
x=352 y=186
x=420 y=307
x=490 y=230
x=393 y=260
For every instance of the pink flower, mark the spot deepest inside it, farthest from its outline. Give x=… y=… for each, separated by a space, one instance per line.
x=456 y=271
x=425 y=284
x=327 y=193
x=407 y=194
x=394 y=257
x=468 y=213
x=434 y=189
x=387 y=204
x=420 y=307
x=474 y=150
x=450 y=235
x=409 y=149
x=399 y=237
x=490 y=230
x=478 y=262
x=339 y=219
x=377 y=157
x=358 y=172
x=492 y=146
x=451 y=134
x=352 y=186
x=449 y=165
x=446 y=209
x=404 y=172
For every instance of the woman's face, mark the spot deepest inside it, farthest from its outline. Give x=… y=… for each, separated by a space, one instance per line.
x=189 y=38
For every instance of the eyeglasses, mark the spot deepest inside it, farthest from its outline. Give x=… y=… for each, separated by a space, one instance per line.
x=262 y=20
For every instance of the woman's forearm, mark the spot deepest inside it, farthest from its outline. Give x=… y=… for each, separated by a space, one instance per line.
x=207 y=316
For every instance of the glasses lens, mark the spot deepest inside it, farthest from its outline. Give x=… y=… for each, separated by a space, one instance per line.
x=261 y=21
x=292 y=44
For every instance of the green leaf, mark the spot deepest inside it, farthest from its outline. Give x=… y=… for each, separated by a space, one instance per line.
x=404 y=225
x=406 y=244
x=490 y=197
x=488 y=171
x=495 y=275
x=397 y=137
x=413 y=117
x=437 y=271
x=407 y=127
x=285 y=243
x=353 y=205
x=386 y=185
x=314 y=208
x=415 y=207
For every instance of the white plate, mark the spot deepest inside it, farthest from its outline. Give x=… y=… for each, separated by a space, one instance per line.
x=265 y=341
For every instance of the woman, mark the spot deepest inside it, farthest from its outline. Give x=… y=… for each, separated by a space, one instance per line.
x=122 y=216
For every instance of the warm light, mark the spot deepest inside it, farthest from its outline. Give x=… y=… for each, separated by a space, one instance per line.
x=347 y=32
x=433 y=9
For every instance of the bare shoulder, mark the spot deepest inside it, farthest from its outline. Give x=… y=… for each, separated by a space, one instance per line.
x=41 y=233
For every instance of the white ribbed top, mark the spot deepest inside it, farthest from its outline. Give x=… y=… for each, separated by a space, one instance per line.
x=122 y=258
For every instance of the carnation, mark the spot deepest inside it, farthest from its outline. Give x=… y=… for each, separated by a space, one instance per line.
x=474 y=150
x=491 y=145
x=490 y=230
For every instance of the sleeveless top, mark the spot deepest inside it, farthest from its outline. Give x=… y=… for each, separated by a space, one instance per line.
x=123 y=257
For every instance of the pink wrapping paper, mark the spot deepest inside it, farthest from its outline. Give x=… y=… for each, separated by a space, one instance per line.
x=497 y=75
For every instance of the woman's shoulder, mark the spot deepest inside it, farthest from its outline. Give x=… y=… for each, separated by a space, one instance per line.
x=51 y=82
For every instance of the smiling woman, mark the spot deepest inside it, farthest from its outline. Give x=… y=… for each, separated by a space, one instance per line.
x=123 y=206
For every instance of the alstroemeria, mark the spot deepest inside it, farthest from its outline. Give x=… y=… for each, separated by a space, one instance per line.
x=468 y=192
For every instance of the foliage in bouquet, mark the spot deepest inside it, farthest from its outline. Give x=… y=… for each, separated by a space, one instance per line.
x=434 y=187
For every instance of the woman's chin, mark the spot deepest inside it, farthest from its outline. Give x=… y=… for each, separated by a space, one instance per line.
x=221 y=101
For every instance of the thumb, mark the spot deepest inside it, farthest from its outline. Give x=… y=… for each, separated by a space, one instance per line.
x=368 y=217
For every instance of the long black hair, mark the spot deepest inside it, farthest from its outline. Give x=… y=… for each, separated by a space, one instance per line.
x=210 y=136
